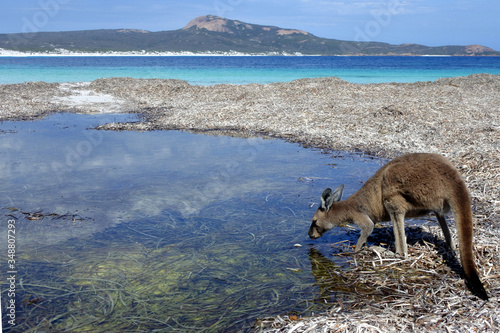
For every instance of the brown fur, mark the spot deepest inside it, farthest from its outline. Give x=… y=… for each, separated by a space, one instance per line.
x=412 y=185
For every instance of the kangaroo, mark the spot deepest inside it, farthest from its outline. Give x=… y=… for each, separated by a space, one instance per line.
x=412 y=185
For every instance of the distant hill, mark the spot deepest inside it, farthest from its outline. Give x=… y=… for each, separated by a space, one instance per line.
x=216 y=34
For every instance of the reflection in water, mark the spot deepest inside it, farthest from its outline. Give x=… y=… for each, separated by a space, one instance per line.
x=328 y=278
x=334 y=286
x=162 y=230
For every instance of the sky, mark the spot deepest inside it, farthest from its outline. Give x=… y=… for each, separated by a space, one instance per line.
x=427 y=22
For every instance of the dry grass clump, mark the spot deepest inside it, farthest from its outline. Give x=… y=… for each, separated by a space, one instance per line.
x=27 y=100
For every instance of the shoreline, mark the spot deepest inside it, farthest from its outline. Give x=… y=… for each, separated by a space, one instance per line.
x=457 y=117
x=68 y=53
x=143 y=53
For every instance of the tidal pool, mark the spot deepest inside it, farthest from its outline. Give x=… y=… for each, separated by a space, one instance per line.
x=164 y=230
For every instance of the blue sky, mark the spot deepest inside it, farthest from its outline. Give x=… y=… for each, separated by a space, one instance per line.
x=428 y=22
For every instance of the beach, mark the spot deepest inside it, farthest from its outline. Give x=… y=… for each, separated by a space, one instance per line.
x=456 y=117
x=69 y=53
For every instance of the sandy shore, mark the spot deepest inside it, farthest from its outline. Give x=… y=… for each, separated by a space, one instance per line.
x=457 y=117
x=69 y=53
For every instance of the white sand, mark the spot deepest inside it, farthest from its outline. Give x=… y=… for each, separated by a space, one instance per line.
x=68 y=53
x=82 y=98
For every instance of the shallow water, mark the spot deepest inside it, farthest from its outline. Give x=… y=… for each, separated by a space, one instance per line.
x=243 y=70
x=166 y=230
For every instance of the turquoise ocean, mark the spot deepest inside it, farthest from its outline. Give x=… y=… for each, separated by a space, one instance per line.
x=209 y=70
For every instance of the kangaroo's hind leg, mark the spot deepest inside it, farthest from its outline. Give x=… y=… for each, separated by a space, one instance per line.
x=446 y=231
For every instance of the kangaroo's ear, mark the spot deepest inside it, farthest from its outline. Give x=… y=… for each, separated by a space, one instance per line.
x=326 y=199
x=337 y=194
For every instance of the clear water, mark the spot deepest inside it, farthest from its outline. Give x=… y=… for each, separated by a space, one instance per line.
x=242 y=70
x=167 y=230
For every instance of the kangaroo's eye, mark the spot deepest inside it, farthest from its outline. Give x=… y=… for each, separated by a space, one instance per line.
x=319 y=229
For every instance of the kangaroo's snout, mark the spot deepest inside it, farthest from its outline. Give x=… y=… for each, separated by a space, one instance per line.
x=315 y=231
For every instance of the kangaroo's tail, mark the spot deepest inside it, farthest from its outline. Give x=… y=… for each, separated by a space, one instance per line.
x=461 y=207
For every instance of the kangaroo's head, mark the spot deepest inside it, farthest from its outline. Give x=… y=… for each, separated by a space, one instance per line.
x=324 y=218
